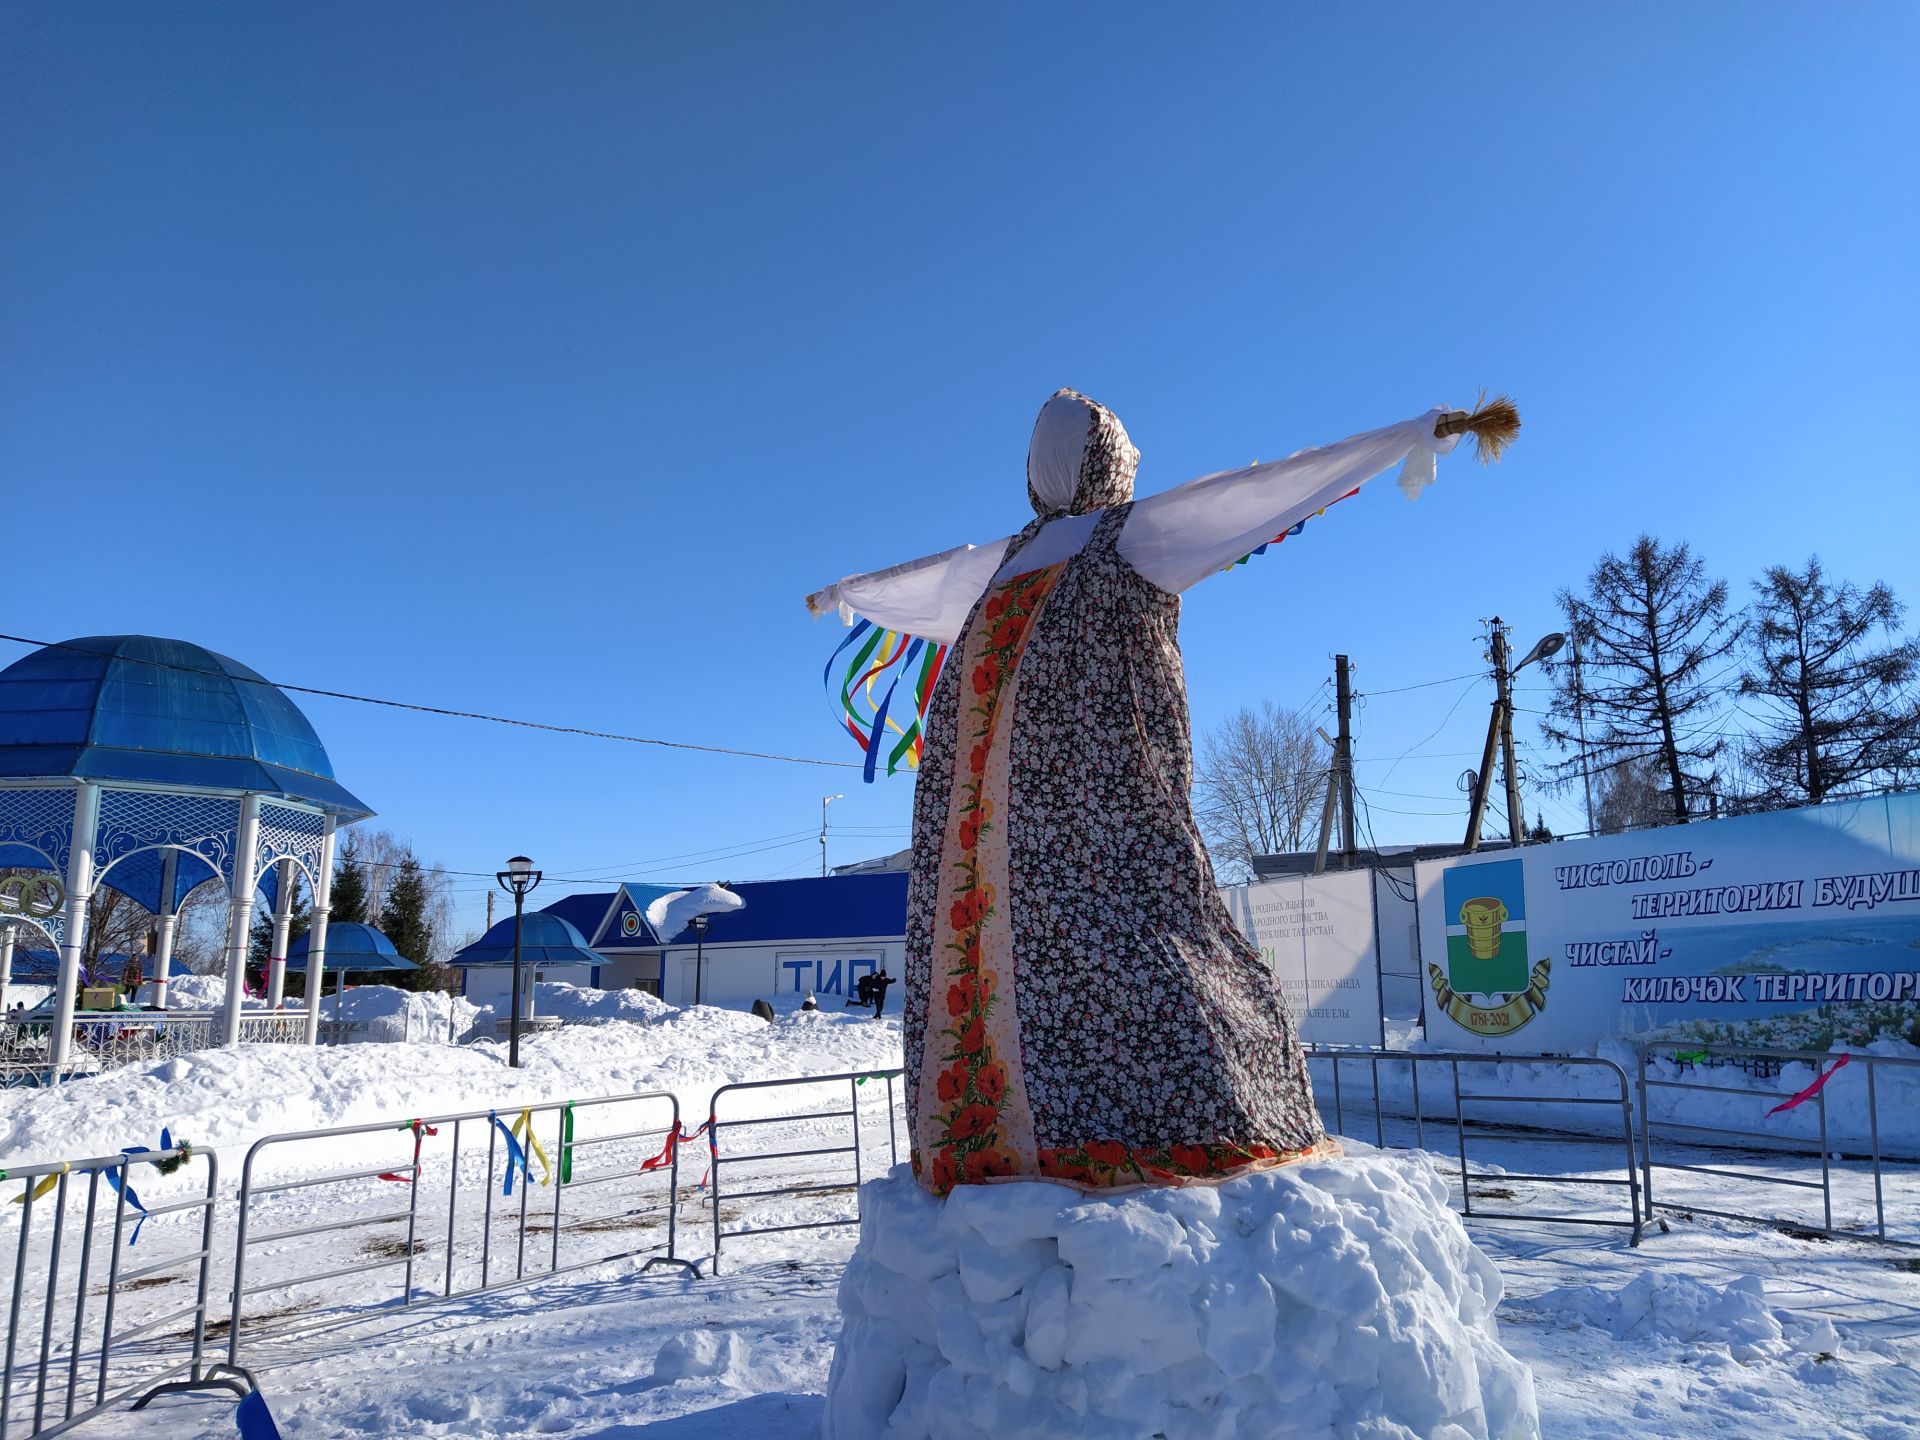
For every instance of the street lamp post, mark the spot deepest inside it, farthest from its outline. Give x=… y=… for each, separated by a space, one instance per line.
x=825 y=800
x=519 y=877
x=699 y=924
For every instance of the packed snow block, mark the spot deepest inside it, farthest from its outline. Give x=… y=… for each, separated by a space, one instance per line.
x=1338 y=1297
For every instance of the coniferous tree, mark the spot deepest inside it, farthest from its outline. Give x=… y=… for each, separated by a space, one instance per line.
x=349 y=895
x=405 y=922
x=260 y=937
x=1652 y=628
x=1836 y=705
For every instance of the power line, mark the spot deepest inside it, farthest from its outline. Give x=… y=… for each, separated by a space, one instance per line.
x=589 y=733
x=1428 y=684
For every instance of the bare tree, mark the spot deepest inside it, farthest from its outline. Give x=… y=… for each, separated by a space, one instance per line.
x=1838 y=710
x=1632 y=796
x=1259 y=779
x=1652 y=627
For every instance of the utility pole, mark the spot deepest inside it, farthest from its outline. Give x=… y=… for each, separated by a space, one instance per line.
x=489 y=911
x=1502 y=681
x=825 y=800
x=1580 y=718
x=1339 y=776
x=1343 y=759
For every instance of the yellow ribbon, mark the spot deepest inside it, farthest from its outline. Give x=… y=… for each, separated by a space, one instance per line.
x=532 y=1143
x=47 y=1183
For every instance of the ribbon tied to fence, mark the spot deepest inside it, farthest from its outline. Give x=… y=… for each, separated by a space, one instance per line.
x=420 y=1132
x=517 y=1153
x=1812 y=1090
x=678 y=1135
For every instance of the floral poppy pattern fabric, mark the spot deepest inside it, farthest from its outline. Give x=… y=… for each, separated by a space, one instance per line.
x=1080 y=1005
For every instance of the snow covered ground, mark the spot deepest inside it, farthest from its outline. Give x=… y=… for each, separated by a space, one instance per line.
x=1711 y=1328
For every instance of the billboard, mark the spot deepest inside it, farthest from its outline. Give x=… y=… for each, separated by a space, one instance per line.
x=1797 y=928
x=1317 y=931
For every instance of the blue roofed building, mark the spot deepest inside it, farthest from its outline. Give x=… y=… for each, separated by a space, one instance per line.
x=791 y=937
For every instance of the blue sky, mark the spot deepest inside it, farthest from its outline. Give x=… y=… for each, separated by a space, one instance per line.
x=537 y=360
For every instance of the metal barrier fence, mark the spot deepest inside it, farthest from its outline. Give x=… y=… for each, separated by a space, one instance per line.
x=722 y=1155
x=60 y=1365
x=1490 y=1128
x=1740 y=1072
x=513 y=1144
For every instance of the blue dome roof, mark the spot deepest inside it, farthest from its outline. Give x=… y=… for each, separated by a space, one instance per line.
x=546 y=939
x=160 y=712
x=352 y=946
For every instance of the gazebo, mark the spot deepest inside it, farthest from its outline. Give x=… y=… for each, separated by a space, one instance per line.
x=155 y=767
x=547 y=941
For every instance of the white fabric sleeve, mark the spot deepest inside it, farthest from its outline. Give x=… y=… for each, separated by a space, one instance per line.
x=1179 y=537
x=929 y=597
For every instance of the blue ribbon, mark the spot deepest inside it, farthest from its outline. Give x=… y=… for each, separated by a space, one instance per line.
x=125 y=1187
x=255 y=1420
x=515 y=1155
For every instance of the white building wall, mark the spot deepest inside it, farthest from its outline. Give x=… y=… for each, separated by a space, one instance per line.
x=737 y=975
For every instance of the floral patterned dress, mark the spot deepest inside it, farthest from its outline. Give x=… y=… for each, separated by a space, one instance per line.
x=1079 y=1005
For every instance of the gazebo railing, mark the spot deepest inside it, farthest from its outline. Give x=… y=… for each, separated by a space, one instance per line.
x=109 y=1041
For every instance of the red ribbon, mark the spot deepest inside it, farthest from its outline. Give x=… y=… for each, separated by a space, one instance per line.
x=419 y=1131
x=679 y=1133
x=1811 y=1090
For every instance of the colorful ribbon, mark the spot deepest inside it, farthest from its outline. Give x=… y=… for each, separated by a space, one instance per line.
x=678 y=1134
x=867 y=712
x=532 y=1142
x=1811 y=1090
x=34 y=1192
x=420 y=1132
x=515 y=1155
x=566 y=1143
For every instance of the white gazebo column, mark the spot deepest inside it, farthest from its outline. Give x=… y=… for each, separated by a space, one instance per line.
x=6 y=963
x=86 y=821
x=169 y=921
x=240 y=917
x=317 y=933
x=282 y=923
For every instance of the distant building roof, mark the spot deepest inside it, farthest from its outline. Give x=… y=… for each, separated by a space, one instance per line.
x=898 y=860
x=841 y=906
x=838 y=907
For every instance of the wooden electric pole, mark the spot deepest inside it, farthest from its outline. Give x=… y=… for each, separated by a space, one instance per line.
x=1343 y=759
x=1339 y=777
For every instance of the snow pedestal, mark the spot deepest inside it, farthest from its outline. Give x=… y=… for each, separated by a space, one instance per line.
x=1331 y=1298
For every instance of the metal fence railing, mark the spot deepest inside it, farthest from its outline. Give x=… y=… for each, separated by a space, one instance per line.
x=614 y=1146
x=1489 y=1115
x=112 y=1039
x=65 y=1360
x=1731 y=1133
x=847 y=1143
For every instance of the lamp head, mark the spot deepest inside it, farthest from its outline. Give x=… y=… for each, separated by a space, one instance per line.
x=519 y=876
x=1544 y=648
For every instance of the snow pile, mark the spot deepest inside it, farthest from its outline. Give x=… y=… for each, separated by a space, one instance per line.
x=227 y=1098
x=576 y=1004
x=193 y=992
x=385 y=1012
x=1662 y=1305
x=1332 y=1297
